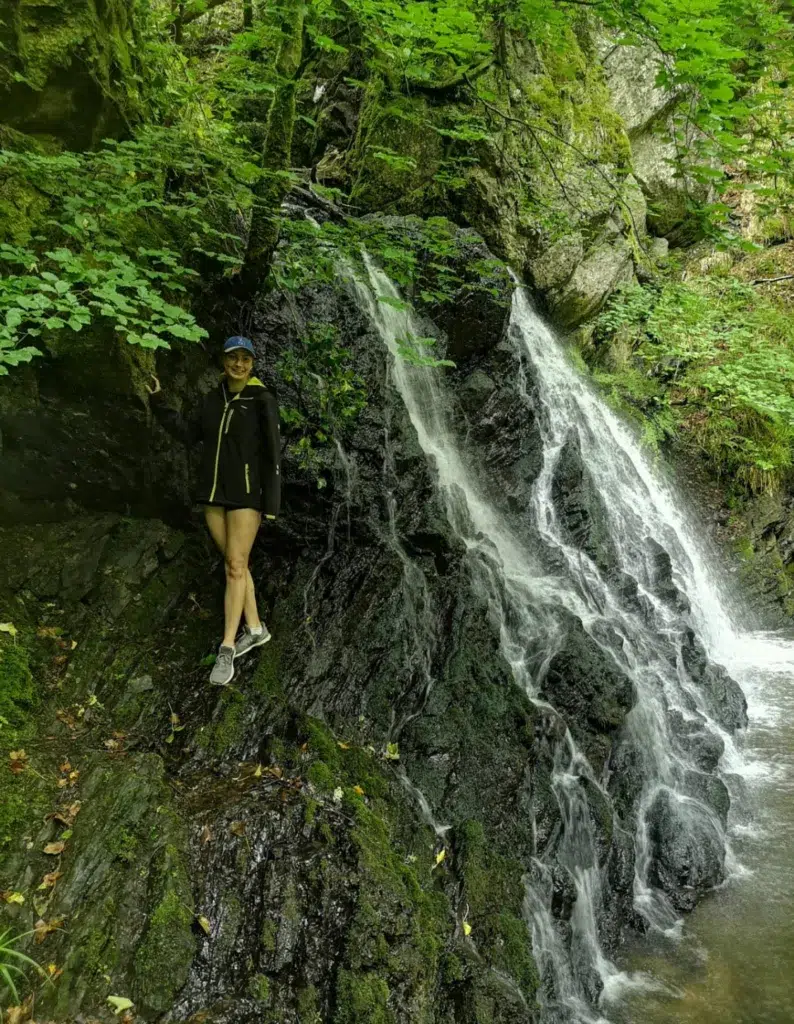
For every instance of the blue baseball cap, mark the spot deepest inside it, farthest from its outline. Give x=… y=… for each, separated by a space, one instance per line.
x=237 y=342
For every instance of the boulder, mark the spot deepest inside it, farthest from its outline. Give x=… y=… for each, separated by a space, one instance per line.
x=70 y=69
x=687 y=849
x=595 y=278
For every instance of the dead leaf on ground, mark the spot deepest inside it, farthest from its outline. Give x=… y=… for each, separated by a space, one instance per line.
x=42 y=928
x=50 y=879
x=65 y=767
x=206 y=834
x=237 y=828
x=17 y=1014
x=17 y=761
x=344 y=746
x=358 y=790
x=12 y=897
x=111 y=744
x=54 y=848
x=49 y=631
x=74 y=776
x=62 y=783
x=206 y=927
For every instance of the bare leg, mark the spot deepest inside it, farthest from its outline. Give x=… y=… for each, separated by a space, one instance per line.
x=242 y=525
x=215 y=517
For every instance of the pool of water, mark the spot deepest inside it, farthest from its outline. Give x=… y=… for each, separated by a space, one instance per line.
x=734 y=961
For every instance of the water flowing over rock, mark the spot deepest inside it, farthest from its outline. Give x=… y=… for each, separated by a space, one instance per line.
x=494 y=588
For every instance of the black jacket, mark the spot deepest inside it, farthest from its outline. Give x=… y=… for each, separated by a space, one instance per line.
x=241 y=446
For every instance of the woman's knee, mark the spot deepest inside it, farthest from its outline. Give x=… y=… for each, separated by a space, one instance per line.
x=236 y=567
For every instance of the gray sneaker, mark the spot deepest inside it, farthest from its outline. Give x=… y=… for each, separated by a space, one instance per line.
x=249 y=640
x=223 y=669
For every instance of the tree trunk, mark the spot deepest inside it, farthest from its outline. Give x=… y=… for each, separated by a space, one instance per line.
x=277 y=152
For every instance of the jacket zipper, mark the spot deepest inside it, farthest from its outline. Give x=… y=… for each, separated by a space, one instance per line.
x=247 y=480
x=229 y=420
x=224 y=422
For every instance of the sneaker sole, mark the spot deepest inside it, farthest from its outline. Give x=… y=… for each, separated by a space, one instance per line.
x=259 y=643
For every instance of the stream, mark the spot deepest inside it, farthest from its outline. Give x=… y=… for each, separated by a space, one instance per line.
x=735 y=959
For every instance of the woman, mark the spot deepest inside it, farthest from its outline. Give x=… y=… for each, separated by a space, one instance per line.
x=239 y=481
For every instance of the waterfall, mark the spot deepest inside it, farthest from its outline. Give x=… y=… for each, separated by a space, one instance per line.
x=533 y=576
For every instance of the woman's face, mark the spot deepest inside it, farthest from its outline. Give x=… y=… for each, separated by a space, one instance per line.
x=238 y=364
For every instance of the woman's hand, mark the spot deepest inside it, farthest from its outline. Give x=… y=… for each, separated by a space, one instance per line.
x=154 y=388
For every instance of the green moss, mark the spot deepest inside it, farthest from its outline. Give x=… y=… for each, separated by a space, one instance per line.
x=260 y=988
x=18 y=698
x=494 y=891
x=321 y=776
x=268 y=936
x=308 y=1006
x=163 y=958
x=124 y=844
x=363 y=999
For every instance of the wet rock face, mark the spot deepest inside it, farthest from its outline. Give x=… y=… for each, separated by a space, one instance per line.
x=275 y=862
x=687 y=849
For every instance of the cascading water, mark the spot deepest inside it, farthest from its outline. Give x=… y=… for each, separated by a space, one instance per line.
x=533 y=577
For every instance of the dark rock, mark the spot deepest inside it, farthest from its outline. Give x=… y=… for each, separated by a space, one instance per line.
x=660 y=573
x=585 y=684
x=580 y=508
x=688 y=853
x=723 y=697
x=700 y=744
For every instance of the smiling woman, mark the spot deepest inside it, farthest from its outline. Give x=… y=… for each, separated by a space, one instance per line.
x=239 y=481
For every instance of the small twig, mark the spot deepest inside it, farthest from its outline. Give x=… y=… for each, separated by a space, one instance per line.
x=771 y=280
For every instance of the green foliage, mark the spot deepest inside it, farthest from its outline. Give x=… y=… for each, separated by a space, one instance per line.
x=331 y=392
x=715 y=360
x=124 y=224
x=14 y=965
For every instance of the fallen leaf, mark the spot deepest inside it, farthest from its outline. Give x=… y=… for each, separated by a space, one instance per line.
x=15 y=1015
x=466 y=928
x=74 y=644
x=358 y=790
x=65 y=767
x=50 y=879
x=48 y=631
x=392 y=752
x=74 y=776
x=258 y=772
x=8 y=627
x=62 y=783
x=205 y=925
x=344 y=746
x=206 y=834
x=54 y=848
x=111 y=744
x=12 y=897
x=42 y=928
x=440 y=856
x=237 y=828
x=17 y=761
x=74 y=809
x=120 y=1004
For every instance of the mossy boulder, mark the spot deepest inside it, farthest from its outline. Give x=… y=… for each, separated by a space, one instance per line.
x=72 y=69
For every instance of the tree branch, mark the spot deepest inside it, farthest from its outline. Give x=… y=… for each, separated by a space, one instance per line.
x=772 y=280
